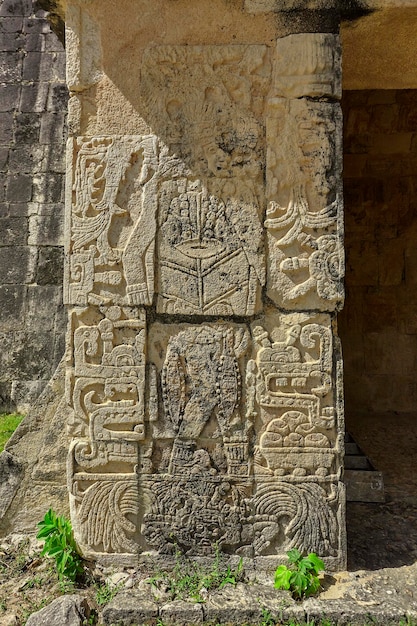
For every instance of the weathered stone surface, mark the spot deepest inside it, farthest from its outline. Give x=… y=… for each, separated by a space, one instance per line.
x=130 y=607
x=345 y=612
x=39 y=446
x=232 y=605
x=23 y=260
x=202 y=415
x=180 y=613
x=66 y=611
x=10 y=477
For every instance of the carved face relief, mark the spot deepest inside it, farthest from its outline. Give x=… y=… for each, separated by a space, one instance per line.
x=209 y=262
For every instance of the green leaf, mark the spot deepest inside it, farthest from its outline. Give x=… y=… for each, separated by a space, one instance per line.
x=313 y=587
x=299 y=582
x=317 y=563
x=305 y=566
x=294 y=556
x=282 y=577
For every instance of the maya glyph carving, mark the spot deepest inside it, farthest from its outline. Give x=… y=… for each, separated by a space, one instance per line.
x=303 y=218
x=202 y=414
x=106 y=385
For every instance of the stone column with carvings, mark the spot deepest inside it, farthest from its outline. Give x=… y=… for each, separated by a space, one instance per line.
x=204 y=261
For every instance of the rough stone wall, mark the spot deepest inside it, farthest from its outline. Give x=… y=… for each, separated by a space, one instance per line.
x=33 y=100
x=378 y=325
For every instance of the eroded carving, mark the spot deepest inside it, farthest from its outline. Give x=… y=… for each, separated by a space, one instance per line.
x=105 y=510
x=304 y=213
x=295 y=399
x=110 y=175
x=302 y=515
x=195 y=432
x=209 y=249
x=307 y=65
x=107 y=389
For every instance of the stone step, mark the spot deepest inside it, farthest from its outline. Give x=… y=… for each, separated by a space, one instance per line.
x=247 y=604
x=363 y=482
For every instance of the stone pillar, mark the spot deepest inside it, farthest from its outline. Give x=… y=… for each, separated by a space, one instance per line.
x=203 y=271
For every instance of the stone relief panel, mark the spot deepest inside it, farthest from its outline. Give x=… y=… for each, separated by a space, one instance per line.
x=294 y=401
x=304 y=205
x=106 y=388
x=202 y=415
x=136 y=211
x=105 y=197
x=197 y=480
x=244 y=446
x=294 y=397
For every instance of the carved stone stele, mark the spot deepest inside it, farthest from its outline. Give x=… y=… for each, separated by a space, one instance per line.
x=204 y=264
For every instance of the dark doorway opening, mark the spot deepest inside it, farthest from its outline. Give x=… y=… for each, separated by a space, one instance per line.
x=378 y=326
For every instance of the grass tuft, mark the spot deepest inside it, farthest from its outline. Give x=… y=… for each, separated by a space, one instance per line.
x=8 y=424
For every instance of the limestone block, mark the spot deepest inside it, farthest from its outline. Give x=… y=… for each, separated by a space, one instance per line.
x=180 y=613
x=307 y=65
x=130 y=607
x=12 y=312
x=18 y=264
x=70 y=610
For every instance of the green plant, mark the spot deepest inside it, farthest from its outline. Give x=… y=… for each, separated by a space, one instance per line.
x=106 y=592
x=301 y=576
x=8 y=424
x=267 y=618
x=60 y=545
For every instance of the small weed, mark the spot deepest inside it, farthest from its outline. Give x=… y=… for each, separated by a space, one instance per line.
x=36 y=581
x=15 y=560
x=106 y=592
x=267 y=618
x=3 y=605
x=189 y=580
x=301 y=577
x=60 y=545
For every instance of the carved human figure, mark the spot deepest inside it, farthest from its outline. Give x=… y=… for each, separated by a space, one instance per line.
x=201 y=380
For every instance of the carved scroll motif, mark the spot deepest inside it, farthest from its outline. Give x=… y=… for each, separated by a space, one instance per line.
x=296 y=401
x=312 y=511
x=107 y=387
